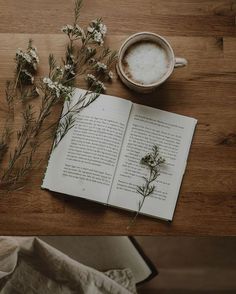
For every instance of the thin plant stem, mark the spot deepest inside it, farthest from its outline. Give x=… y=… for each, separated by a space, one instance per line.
x=153 y=162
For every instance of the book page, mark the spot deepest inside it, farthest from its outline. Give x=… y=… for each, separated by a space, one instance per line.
x=173 y=134
x=84 y=162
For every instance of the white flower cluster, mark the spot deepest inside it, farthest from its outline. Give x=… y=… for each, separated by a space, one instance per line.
x=101 y=66
x=97 y=30
x=67 y=29
x=69 y=68
x=75 y=31
x=152 y=160
x=57 y=88
x=91 y=79
x=30 y=57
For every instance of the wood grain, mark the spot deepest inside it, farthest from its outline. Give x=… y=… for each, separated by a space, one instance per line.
x=202 y=31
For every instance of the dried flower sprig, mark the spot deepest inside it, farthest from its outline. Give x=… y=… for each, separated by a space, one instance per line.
x=18 y=90
x=23 y=136
x=97 y=31
x=84 y=55
x=23 y=82
x=152 y=161
x=26 y=64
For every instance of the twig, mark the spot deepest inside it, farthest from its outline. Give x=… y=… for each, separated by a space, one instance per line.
x=153 y=162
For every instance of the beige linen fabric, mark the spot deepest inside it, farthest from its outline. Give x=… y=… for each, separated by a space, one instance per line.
x=29 y=265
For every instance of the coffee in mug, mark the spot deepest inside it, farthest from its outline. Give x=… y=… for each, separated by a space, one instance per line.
x=145 y=61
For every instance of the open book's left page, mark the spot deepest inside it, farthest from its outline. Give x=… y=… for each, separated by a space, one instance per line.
x=84 y=162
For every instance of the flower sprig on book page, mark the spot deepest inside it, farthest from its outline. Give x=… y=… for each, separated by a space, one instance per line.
x=85 y=57
x=152 y=161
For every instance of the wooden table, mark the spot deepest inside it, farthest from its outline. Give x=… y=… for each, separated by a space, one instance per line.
x=204 y=32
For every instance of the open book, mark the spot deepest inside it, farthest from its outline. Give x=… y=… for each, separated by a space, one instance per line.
x=99 y=158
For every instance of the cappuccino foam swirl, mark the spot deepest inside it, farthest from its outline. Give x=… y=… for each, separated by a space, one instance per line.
x=146 y=63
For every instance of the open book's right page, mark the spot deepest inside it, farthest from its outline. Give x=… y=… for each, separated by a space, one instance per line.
x=173 y=134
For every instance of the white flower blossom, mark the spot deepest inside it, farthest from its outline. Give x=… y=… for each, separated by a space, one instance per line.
x=30 y=57
x=101 y=86
x=97 y=37
x=47 y=80
x=27 y=57
x=97 y=30
x=101 y=66
x=90 y=78
x=68 y=66
x=76 y=31
x=90 y=29
x=33 y=53
x=67 y=29
x=57 y=88
x=102 y=29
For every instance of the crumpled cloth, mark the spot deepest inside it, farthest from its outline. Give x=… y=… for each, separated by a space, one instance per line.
x=28 y=266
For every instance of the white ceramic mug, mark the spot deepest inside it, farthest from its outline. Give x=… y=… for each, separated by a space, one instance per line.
x=150 y=37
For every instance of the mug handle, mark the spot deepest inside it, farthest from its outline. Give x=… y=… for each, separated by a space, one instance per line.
x=180 y=62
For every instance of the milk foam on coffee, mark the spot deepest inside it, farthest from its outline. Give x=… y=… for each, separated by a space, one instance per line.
x=145 y=62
